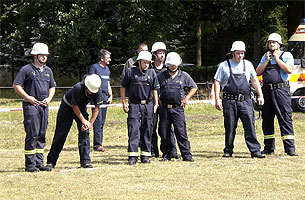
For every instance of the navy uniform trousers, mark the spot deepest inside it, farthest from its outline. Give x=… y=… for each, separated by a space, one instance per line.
x=98 y=127
x=35 y=125
x=154 y=139
x=64 y=122
x=175 y=116
x=278 y=102
x=232 y=111
x=139 y=124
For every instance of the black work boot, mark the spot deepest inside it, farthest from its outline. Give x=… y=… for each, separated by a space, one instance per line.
x=189 y=159
x=50 y=165
x=86 y=165
x=44 y=168
x=132 y=160
x=266 y=151
x=31 y=169
x=257 y=155
x=145 y=159
x=166 y=157
x=292 y=153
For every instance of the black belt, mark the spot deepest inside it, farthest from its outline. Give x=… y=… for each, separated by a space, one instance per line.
x=274 y=86
x=137 y=101
x=236 y=97
x=171 y=105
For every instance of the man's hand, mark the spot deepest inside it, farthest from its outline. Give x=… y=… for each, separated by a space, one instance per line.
x=184 y=102
x=260 y=100
x=155 y=108
x=86 y=125
x=276 y=54
x=125 y=108
x=218 y=104
x=45 y=102
x=109 y=101
x=32 y=100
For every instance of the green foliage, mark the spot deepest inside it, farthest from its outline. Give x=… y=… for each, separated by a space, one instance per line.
x=76 y=30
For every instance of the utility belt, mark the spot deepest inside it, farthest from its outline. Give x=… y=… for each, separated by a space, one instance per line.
x=274 y=86
x=236 y=97
x=66 y=101
x=170 y=105
x=137 y=101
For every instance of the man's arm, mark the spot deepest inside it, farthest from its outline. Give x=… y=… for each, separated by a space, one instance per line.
x=32 y=100
x=188 y=96
x=110 y=97
x=261 y=68
x=156 y=99
x=217 y=86
x=86 y=123
x=94 y=115
x=284 y=66
x=123 y=99
x=256 y=85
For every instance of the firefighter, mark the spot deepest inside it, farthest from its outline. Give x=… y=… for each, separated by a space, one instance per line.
x=233 y=76
x=36 y=85
x=159 y=50
x=173 y=83
x=133 y=60
x=275 y=66
x=73 y=107
x=103 y=71
x=142 y=84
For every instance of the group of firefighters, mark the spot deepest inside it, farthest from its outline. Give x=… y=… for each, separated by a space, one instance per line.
x=155 y=87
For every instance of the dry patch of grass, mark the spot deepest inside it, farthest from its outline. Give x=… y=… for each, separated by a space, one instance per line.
x=209 y=177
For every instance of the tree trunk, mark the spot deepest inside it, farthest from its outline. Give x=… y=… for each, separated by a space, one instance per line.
x=295 y=12
x=257 y=47
x=199 y=40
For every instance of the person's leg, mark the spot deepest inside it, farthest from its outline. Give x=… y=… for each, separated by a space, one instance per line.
x=230 y=124
x=64 y=122
x=178 y=118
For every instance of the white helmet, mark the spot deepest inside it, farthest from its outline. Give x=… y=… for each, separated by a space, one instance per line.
x=158 y=46
x=40 y=48
x=275 y=37
x=93 y=82
x=144 y=55
x=173 y=58
x=238 y=46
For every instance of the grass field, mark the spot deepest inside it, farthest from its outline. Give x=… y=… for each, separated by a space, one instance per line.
x=209 y=177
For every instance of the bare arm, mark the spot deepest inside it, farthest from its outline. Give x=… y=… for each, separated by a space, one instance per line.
x=32 y=100
x=94 y=115
x=256 y=85
x=188 y=96
x=123 y=99
x=85 y=122
x=156 y=100
x=284 y=66
x=261 y=68
x=218 y=103
x=109 y=93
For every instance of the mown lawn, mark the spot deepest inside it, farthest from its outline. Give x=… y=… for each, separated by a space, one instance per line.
x=209 y=177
